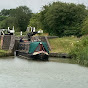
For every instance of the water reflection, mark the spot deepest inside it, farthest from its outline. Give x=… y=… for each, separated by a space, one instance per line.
x=20 y=73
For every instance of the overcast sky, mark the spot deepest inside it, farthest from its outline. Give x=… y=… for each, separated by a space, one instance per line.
x=34 y=5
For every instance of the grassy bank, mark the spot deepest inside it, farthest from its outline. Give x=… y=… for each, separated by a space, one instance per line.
x=4 y=53
x=77 y=48
x=62 y=45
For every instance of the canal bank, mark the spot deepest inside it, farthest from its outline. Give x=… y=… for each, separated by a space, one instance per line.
x=4 y=53
x=11 y=42
x=7 y=43
x=60 y=55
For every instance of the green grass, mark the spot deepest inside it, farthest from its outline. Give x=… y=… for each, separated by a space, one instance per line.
x=4 y=53
x=62 y=45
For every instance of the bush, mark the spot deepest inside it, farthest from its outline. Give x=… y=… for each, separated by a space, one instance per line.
x=80 y=51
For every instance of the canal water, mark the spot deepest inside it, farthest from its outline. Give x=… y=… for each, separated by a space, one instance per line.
x=21 y=73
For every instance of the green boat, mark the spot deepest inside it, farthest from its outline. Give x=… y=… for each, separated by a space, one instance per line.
x=39 y=51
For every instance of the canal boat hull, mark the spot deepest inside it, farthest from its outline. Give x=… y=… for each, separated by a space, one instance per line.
x=41 y=55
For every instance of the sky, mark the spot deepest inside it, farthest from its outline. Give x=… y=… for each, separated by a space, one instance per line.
x=34 y=5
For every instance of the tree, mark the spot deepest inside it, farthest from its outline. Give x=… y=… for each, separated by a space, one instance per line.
x=4 y=12
x=2 y=18
x=20 y=16
x=85 y=26
x=9 y=22
x=34 y=21
x=63 y=19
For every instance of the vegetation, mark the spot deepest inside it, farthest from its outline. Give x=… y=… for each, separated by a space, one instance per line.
x=18 y=17
x=4 y=53
x=62 y=45
x=63 y=19
x=80 y=51
x=77 y=48
x=58 y=18
x=35 y=22
x=85 y=26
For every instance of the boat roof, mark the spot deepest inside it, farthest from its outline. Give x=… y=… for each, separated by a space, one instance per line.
x=33 y=46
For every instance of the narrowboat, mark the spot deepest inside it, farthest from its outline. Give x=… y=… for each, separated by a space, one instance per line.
x=39 y=51
x=33 y=50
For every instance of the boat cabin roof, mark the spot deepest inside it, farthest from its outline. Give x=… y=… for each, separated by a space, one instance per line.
x=34 y=45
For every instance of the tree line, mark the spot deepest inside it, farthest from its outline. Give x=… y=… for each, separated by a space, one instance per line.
x=18 y=17
x=57 y=18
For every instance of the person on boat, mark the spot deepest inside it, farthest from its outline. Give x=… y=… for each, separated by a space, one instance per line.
x=21 y=40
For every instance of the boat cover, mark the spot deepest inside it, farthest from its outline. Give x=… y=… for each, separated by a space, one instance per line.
x=33 y=46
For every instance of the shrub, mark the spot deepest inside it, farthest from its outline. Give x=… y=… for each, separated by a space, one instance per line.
x=80 y=51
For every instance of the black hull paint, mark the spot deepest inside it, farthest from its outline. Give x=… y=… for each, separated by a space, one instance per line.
x=41 y=57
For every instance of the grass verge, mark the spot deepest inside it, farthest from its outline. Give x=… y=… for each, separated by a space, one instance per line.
x=62 y=45
x=4 y=53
